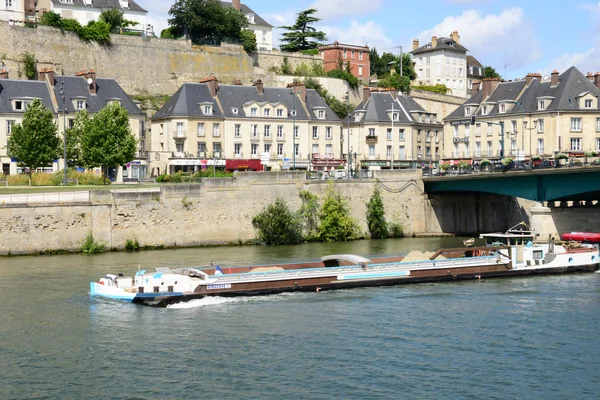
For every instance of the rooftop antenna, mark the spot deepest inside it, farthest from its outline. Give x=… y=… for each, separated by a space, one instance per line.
x=505 y=65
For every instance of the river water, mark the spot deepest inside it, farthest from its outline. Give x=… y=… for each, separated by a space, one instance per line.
x=522 y=338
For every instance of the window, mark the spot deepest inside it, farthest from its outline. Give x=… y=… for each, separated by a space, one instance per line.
x=540 y=146
x=490 y=148
x=328 y=133
x=360 y=70
x=540 y=126
x=321 y=114
x=388 y=152
x=296 y=131
x=477 y=149
x=502 y=108
x=371 y=150
x=267 y=147
x=8 y=3
x=484 y=111
x=478 y=129
x=217 y=149
x=280 y=131
x=280 y=149
x=396 y=116
x=315 y=149
x=267 y=131
x=588 y=103
x=179 y=147
x=315 y=134
x=201 y=150
x=514 y=125
x=237 y=130
x=9 y=125
x=216 y=130
x=371 y=131
x=253 y=111
x=401 y=153
x=280 y=112
x=345 y=53
x=207 y=110
x=237 y=149
x=490 y=129
x=200 y=129
x=597 y=144
x=467 y=130
x=455 y=133
x=254 y=149
x=352 y=53
x=541 y=105
x=360 y=55
x=575 y=144
x=297 y=149
x=234 y=111
x=400 y=134
x=267 y=112
x=467 y=111
x=79 y=105
x=254 y=131
x=389 y=134
x=575 y=124
x=179 y=130
x=597 y=124
x=19 y=105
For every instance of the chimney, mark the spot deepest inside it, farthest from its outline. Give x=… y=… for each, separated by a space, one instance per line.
x=455 y=37
x=366 y=94
x=488 y=87
x=590 y=77
x=529 y=78
x=475 y=87
x=213 y=85
x=597 y=79
x=259 y=87
x=415 y=44
x=434 y=41
x=3 y=73
x=237 y=5
x=299 y=88
x=47 y=74
x=238 y=82
x=90 y=78
x=554 y=79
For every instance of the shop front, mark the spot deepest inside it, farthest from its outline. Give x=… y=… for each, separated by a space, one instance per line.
x=190 y=165
x=243 y=165
x=326 y=162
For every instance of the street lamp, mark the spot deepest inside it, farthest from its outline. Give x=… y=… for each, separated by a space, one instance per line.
x=392 y=161
x=64 y=110
x=348 y=117
x=519 y=104
x=294 y=130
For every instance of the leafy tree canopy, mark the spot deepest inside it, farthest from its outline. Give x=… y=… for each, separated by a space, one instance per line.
x=248 y=40
x=114 y=19
x=277 y=224
x=74 y=138
x=336 y=223
x=378 y=227
x=302 y=35
x=35 y=142
x=207 y=21
x=489 y=72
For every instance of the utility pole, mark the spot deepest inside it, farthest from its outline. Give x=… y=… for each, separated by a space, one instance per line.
x=64 y=110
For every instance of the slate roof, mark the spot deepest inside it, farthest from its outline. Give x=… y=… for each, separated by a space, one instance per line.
x=11 y=89
x=108 y=89
x=572 y=83
x=185 y=102
x=133 y=6
x=443 y=43
x=379 y=103
x=473 y=61
x=258 y=20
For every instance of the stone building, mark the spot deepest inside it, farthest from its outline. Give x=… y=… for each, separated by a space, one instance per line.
x=233 y=127
x=390 y=130
x=261 y=28
x=540 y=118
x=442 y=61
x=65 y=96
x=357 y=56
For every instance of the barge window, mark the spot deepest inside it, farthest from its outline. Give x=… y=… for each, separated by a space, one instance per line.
x=538 y=254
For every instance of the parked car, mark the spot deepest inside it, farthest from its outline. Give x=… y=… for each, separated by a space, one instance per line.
x=544 y=164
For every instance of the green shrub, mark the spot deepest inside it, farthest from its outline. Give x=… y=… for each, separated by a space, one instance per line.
x=132 y=245
x=286 y=69
x=30 y=65
x=396 y=230
x=90 y=246
x=71 y=25
x=51 y=18
x=485 y=162
x=378 y=227
x=336 y=224
x=507 y=161
x=345 y=75
x=277 y=224
x=308 y=214
x=561 y=156
x=98 y=31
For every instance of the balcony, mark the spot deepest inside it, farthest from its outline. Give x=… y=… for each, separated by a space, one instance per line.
x=374 y=157
x=201 y=154
x=142 y=154
x=179 y=135
x=239 y=155
x=461 y=140
x=281 y=138
x=372 y=139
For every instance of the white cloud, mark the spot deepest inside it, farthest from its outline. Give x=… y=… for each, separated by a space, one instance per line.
x=158 y=13
x=370 y=33
x=333 y=9
x=497 y=40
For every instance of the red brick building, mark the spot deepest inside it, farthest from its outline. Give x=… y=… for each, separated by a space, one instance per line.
x=357 y=56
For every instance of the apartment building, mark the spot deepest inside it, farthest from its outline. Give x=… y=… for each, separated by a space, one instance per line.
x=261 y=28
x=357 y=56
x=85 y=11
x=65 y=96
x=389 y=130
x=539 y=118
x=442 y=61
x=237 y=127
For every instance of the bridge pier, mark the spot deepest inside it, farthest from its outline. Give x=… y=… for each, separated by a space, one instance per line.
x=557 y=217
x=542 y=221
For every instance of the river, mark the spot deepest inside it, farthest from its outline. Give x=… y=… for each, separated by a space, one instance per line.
x=521 y=338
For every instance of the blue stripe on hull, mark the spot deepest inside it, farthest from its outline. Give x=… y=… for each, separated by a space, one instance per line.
x=374 y=275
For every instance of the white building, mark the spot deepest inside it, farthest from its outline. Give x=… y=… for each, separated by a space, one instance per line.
x=85 y=11
x=11 y=10
x=261 y=28
x=444 y=62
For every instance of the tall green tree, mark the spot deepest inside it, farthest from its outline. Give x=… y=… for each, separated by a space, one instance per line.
x=489 y=72
x=308 y=214
x=302 y=35
x=277 y=224
x=75 y=134
x=108 y=140
x=378 y=227
x=35 y=142
x=248 y=40
x=206 y=21
x=115 y=20
x=336 y=223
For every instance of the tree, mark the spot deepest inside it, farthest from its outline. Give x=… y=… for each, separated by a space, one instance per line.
x=308 y=214
x=75 y=137
x=207 y=21
x=489 y=72
x=277 y=224
x=302 y=36
x=248 y=40
x=114 y=18
x=336 y=224
x=378 y=227
x=35 y=142
x=108 y=140
x=381 y=65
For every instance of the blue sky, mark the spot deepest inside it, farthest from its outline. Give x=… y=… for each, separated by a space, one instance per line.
x=513 y=36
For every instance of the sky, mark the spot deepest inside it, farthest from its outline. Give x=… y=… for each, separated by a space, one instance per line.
x=514 y=37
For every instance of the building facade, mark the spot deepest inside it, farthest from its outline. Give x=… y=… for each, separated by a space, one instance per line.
x=561 y=115
x=65 y=96
x=12 y=11
x=85 y=11
x=442 y=61
x=238 y=127
x=337 y=54
x=474 y=72
x=261 y=28
x=389 y=130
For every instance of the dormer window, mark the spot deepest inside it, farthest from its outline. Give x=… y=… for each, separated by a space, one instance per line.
x=467 y=111
x=280 y=112
x=502 y=108
x=484 y=110
x=267 y=112
x=293 y=113
x=250 y=18
x=207 y=109
x=396 y=116
x=587 y=103
x=79 y=104
x=253 y=111
x=234 y=111
x=321 y=114
x=541 y=105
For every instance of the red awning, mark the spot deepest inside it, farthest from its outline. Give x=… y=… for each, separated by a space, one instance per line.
x=243 y=165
